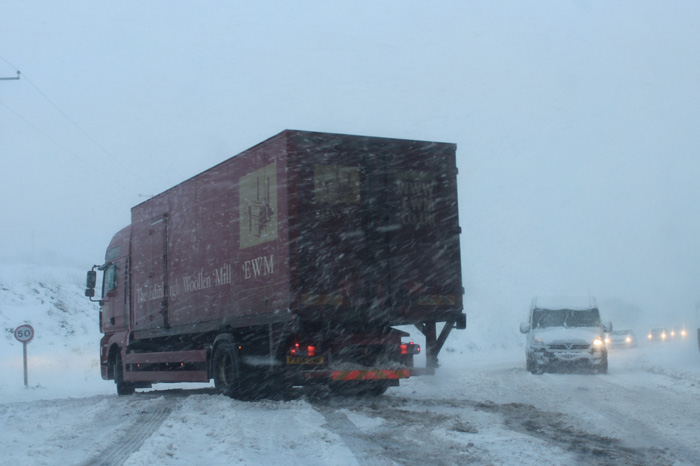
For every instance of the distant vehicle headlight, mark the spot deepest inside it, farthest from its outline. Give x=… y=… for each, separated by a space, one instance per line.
x=628 y=340
x=663 y=336
x=683 y=333
x=651 y=336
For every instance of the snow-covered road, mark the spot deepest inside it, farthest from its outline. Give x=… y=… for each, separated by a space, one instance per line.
x=479 y=408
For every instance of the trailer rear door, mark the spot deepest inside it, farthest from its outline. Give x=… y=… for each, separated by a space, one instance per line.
x=380 y=236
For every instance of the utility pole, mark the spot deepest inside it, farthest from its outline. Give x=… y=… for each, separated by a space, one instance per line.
x=8 y=79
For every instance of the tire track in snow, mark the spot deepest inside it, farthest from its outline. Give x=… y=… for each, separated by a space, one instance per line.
x=404 y=437
x=146 y=423
x=691 y=379
x=366 y=453
x=643 y=418
x=650 y=420
x=609 y=419
x=557 y=429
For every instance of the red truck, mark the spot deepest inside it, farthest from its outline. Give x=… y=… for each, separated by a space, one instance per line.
x=289 y=264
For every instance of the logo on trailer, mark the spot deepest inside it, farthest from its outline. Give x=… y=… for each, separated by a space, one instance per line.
x=336 y=184
x=258 y=206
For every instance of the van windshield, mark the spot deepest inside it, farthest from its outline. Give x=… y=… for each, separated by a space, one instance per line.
x=543 y=318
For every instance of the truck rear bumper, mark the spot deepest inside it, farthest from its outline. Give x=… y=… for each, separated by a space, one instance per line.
x=327 y=376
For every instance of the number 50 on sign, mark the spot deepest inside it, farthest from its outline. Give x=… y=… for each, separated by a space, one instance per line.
x=24 y=333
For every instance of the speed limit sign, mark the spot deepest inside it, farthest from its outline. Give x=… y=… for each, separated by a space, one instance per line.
x=24 y=333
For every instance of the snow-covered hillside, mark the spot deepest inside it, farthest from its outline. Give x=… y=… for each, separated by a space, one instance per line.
x=63 y=356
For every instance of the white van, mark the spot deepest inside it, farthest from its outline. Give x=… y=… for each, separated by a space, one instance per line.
x=565 y=332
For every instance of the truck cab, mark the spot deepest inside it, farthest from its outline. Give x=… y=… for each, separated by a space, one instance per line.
x=565 y=333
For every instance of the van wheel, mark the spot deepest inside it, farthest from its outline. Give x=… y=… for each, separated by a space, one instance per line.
x=603 y=369
x=123 y=388
x=226 y=368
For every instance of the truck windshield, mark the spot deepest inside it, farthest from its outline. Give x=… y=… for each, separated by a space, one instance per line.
x=543 y=318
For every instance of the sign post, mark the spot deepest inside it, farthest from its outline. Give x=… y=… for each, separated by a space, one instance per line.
x=24 y=333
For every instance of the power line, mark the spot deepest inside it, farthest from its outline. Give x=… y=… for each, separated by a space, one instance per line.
x=44 y=134
x=59 y=145
x=65 y=115
x=114 y=158
x=3 y=59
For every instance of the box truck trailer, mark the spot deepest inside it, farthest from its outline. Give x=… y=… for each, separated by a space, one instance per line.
x=292 y=263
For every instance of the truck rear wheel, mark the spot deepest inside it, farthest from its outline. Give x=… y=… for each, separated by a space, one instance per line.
x=226 y=368
x=123 y=388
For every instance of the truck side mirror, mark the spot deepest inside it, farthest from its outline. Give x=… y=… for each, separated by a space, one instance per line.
x=90 y=292
x=461 y=322
x=91 y=281
x=607 y=326
x=524 y=327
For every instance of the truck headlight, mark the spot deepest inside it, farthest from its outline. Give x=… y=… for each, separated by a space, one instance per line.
x=598 y=342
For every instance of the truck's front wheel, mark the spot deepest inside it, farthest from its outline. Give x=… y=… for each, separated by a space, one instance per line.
x=529 y=363
x=123 y=388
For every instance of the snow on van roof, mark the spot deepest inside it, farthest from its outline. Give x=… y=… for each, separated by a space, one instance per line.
x=564 y=302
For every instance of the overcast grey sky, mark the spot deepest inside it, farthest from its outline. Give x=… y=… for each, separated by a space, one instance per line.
x=576 y=124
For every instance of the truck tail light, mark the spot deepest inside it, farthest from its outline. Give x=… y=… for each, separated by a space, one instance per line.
x=298 y=350
x=410 y=348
